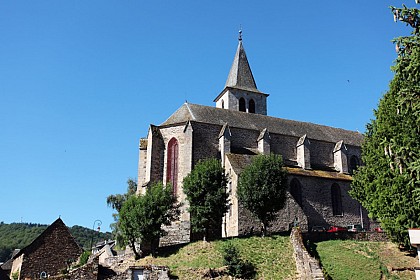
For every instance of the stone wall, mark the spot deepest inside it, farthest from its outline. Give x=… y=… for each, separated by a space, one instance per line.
x=52 y=253
x=206 y=141
x=345 y=235
x=94 y=271
x=307 y=267
x=285 y=218
x=244 y=139
x=317 y=203
x=141 y=172
x=155 y=150
x=284 y=145
x=177 y=233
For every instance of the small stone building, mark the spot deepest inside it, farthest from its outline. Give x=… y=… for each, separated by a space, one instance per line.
x=320 y=159
x=49 y=254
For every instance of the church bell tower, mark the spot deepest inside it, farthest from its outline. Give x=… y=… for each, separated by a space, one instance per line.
x=240 y=92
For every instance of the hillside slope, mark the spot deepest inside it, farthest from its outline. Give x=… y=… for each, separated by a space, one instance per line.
x=271 y=256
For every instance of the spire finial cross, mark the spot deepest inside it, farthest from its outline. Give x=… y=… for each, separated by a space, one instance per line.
x=240 y=33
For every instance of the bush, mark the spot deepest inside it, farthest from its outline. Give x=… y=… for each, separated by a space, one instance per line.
x=236 y=266
x=84 y=258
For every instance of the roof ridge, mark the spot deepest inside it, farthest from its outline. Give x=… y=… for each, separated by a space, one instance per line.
x=277 y=118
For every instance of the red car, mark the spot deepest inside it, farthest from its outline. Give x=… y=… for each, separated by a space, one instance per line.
x=336 y=229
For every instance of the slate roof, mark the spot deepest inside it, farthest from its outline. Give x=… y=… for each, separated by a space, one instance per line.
x=240 y=74
x=237 y=119
x=7 y=266
x=39 y=240
x=239 y=162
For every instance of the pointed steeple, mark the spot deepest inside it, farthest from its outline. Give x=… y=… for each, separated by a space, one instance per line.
x=240 y=92
x=240 y=74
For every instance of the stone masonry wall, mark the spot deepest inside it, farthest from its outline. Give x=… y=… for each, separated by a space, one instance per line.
x=321 y=153
x=259 y=99
x=244 y=138
x=179 y=231
x=284 y=221
x=284 y=145
x=316 y=209
x=141 y=172
x=52 y=254
x=307 y=267
x=206 y=141
x=317 y=203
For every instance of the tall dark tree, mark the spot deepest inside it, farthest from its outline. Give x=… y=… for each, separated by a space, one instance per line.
x=262 y=188
x=205 y=188
x=116 y=201
x=142 y=216
x=388 y=184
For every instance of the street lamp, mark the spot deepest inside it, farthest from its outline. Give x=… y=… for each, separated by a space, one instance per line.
x=99 y=223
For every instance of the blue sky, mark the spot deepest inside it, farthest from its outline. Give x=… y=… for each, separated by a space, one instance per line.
x=80 y=82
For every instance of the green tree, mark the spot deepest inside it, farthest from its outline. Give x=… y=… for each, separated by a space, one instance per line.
x=141 y=216
x=262 y=188
x=116 y=201
x=205 y=188
x=388 y=184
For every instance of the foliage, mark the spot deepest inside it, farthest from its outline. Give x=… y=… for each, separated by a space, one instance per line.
x=141 y=217
x=236 y=266
x=262 y=188
x=15 y=275
x=84 y=258
x=272 y=257
x=19 y=235
x=205 y=188
x=84 y=236
x=351 y=259
x=116 y=201
x=388 y=185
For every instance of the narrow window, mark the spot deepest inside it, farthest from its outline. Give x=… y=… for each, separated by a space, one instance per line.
x=251 y=108
x=337 y=206
x=354 y=163
x=172 y=164
x=242 y=107
x=296 y=191
x=223 y=104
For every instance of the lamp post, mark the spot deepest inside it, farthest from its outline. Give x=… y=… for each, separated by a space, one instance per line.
x=99 y=223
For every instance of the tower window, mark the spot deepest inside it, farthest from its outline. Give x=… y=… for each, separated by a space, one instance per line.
x=223 y=104
x=172 y=164
x=242 y=106
x=251 y=107
x=337 y=206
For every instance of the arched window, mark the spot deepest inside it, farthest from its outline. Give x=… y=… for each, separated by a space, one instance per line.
x=172 y=164
x=242 y=106
x=354 y=163
x=337 y=206
x=223 y=104
x=251 y=108
x=296 y=191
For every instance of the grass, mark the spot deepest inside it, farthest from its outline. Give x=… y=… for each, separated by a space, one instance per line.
x=271 y=256
x=363 y=260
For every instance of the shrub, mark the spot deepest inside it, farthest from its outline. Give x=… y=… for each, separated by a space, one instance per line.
x=236 y=266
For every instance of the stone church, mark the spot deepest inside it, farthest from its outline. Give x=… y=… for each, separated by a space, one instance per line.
x=319 y=159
